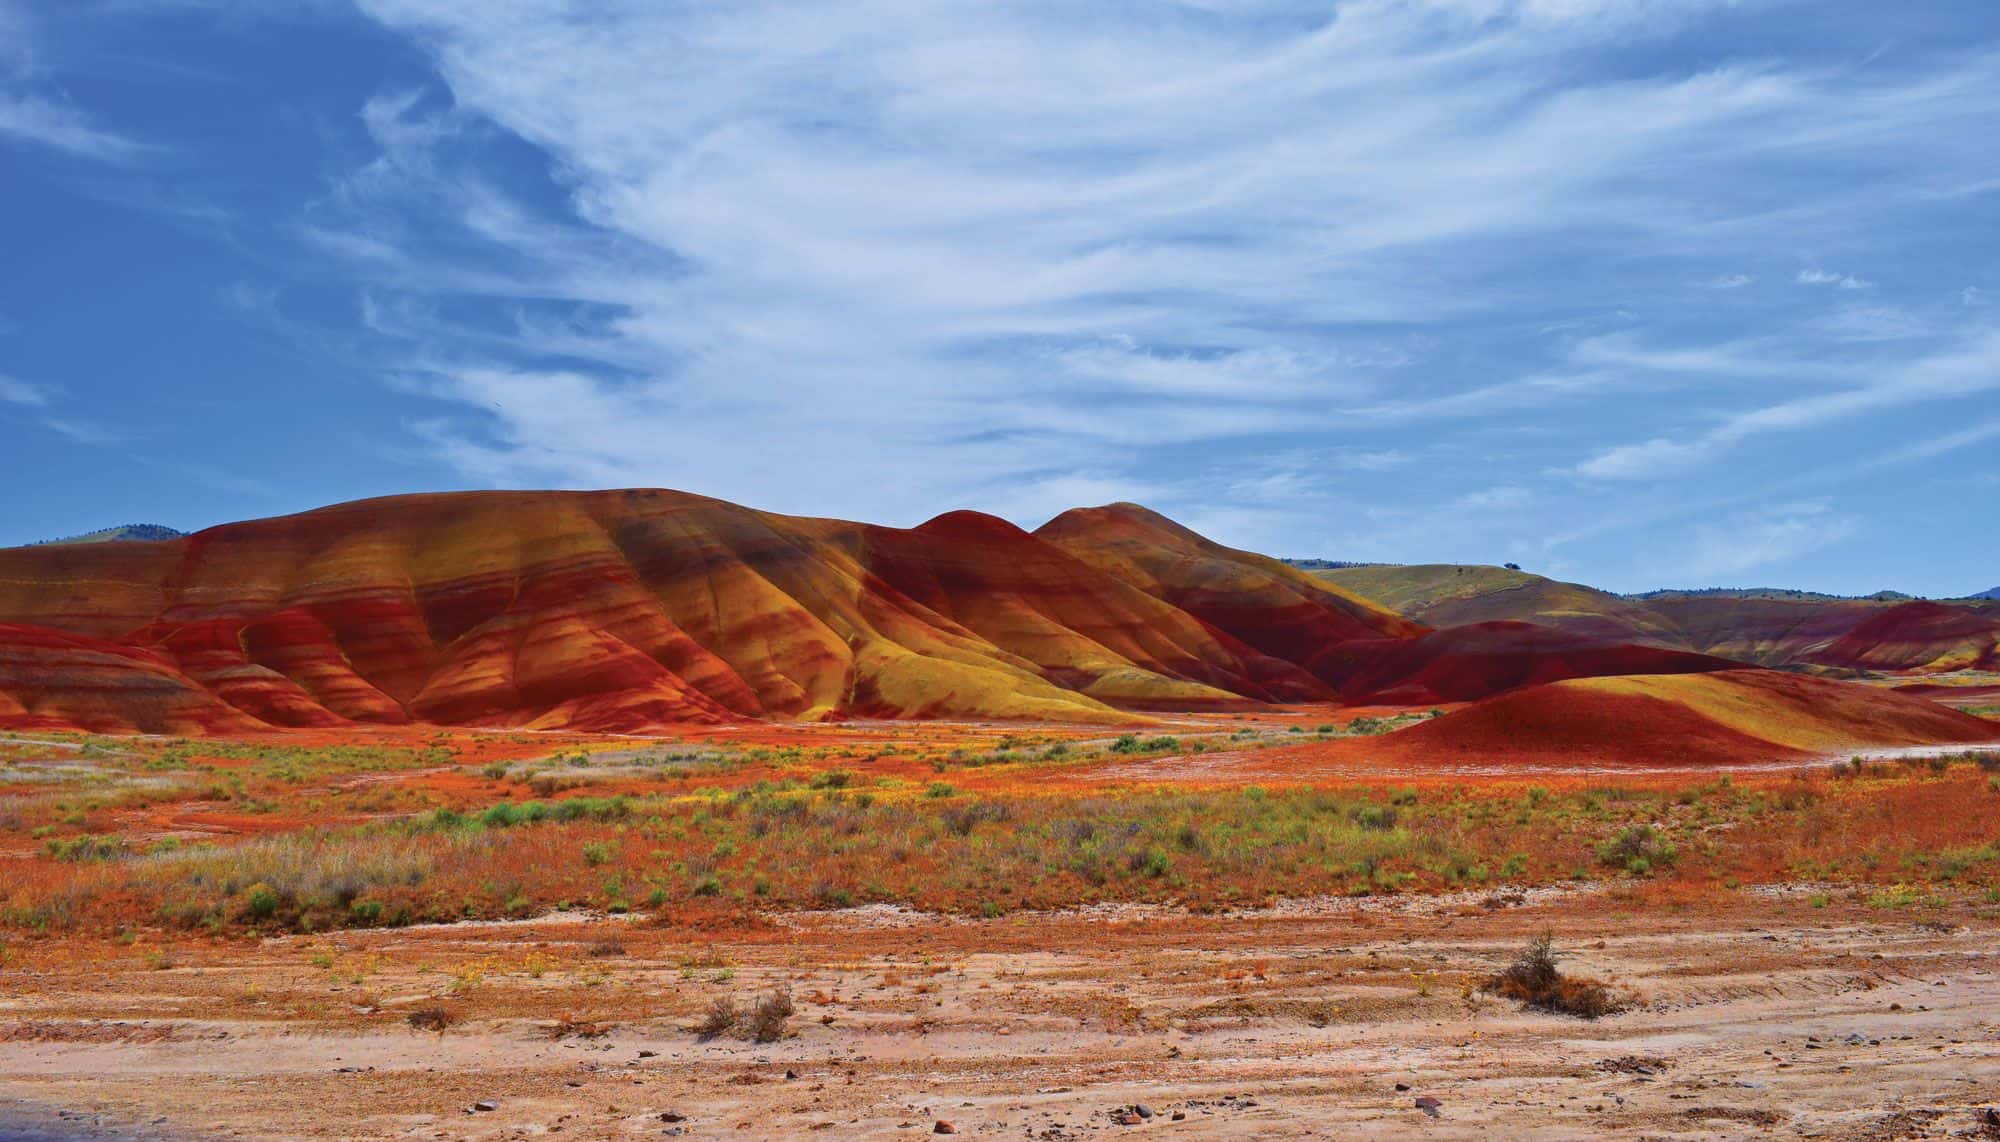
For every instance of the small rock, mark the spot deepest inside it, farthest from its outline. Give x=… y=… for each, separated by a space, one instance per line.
x=1126 y=1118
x=1402 y=1086
x=943 y=1127
x=485 y=1104
x=1181 y=1115
x=791 y=1074
x=649 y=1054
x=1429 y=1105
x=672 y=1116
x=1142 y=1110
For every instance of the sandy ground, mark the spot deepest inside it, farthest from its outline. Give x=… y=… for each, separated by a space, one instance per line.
x=1767 y=1012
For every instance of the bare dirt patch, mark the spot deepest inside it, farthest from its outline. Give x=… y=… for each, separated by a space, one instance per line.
x=1755 y=1013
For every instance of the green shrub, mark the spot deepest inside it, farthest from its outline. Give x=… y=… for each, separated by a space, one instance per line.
x=1638 y=849
x=86 y=848
x=261 y=901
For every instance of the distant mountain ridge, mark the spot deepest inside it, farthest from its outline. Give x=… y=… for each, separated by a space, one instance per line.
x=144 y=532
x=1793 y=593
x=1332 y=564
x=1767 y=593
x=1765 y=627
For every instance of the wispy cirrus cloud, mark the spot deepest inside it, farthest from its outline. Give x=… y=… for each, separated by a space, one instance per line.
x=19 y=392
x=1969 y=368
x=44 y=403
x=1819 y=277
x=31 y=119
x=1752 y=540
x=1000 y=246
x=1395 y=279
x=1429 y=277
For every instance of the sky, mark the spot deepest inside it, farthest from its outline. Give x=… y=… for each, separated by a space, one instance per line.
x=1639 y=293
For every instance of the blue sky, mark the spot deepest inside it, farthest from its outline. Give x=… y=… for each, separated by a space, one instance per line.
x=1637 y=292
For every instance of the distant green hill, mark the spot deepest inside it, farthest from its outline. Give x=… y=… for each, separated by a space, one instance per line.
x=144 y=532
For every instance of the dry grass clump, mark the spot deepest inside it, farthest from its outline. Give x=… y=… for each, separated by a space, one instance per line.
x=722 y=1015
x=1535 y=981
x=432 y=1017
x=303 y=866
x=764 y=1022
x=768 y=1015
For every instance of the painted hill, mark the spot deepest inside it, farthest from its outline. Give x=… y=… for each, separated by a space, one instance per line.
x=1360 y=651
x=1731 y=717
x=1447 y=595
x=631 y=609
x=1765 y=628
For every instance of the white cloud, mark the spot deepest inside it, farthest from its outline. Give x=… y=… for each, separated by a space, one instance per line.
x=20 y=392
x=1873 y=323
x=42 y=398
x=1367 y=460
x=1122 y=364
x=986 y=227
x=1966 y=367
x=1501 y=498
x=1748 y=358
x=1828 y=278
x=36 y=120
x=904 y=256
x=1646 y=460
x=1763 y=538
x=82 y=431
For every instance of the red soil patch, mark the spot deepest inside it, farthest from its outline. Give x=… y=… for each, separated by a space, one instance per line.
x=1954 y=695
x=1471 y=662
x=1737 y=717
x=51 y=679
x=1918 y=635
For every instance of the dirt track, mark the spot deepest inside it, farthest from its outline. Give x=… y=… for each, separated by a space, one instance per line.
x=1757 y=1014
